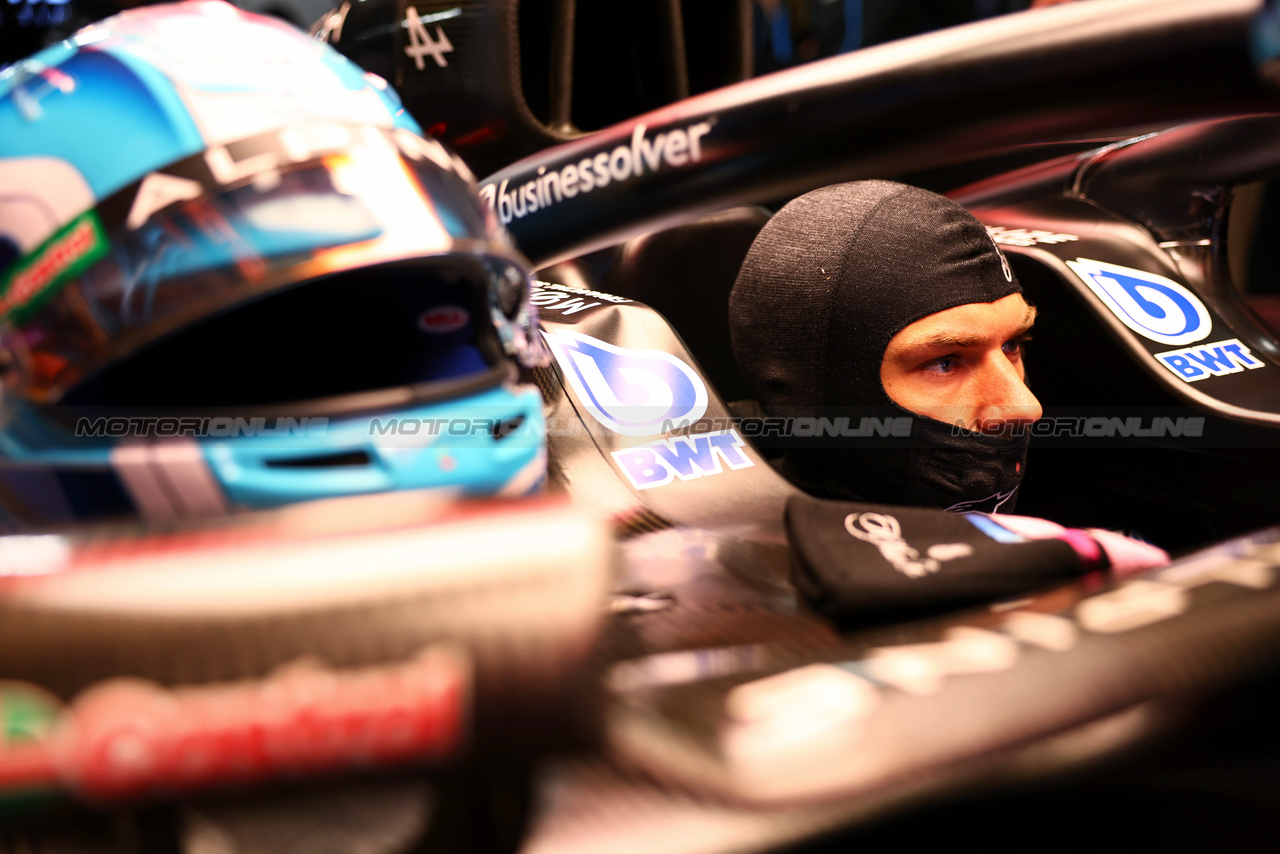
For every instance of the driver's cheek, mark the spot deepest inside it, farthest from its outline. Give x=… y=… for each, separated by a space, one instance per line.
x=999 y=395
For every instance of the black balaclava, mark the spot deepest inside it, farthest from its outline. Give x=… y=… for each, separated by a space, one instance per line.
x=829 y=281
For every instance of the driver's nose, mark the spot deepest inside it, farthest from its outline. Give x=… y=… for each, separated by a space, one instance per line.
x=1007 y=402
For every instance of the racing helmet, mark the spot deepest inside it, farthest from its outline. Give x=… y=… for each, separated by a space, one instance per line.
x=234 y=274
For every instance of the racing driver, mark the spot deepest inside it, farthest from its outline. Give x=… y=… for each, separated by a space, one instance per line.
x=876 y=298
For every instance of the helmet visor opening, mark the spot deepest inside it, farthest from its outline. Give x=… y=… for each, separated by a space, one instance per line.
x=339 y=229
x=419 y=325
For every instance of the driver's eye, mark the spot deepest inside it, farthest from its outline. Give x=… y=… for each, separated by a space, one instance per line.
x=1015 y=346
x=943 y=365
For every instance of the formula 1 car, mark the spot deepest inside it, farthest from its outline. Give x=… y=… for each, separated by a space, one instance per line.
x=736 y=719
x=1152 y=360
x=869 y=114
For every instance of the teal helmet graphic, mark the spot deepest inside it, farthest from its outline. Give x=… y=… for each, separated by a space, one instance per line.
x=234 y=274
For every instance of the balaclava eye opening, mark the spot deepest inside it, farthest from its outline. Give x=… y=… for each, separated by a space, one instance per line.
x=831 y=278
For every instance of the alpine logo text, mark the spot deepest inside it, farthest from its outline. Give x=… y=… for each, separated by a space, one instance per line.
x=673 y=148
x=563 y=299
x=1024 y=237
x=421 y=44
x=685 y=457
x=632 y=392
x=1209 y=360
x=1152 y=306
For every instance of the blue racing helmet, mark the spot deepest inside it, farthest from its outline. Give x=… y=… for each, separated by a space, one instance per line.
x=234 y=274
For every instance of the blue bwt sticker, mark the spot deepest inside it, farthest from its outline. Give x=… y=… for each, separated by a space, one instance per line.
x=684 y=457
x=632 y=392
x=1210 y=360
x=1150 y=305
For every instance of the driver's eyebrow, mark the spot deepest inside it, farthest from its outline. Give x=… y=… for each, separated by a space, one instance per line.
x=946 y=340
x=1028 y=321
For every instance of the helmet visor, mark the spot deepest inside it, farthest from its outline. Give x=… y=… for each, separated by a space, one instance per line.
x=361 y=270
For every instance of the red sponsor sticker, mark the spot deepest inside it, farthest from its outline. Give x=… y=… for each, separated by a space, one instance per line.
x=443 y=319
x=127 y=738
x=73 y=248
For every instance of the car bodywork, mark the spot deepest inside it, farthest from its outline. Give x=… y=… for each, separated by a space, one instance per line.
x=970 y=102
x=703 y=591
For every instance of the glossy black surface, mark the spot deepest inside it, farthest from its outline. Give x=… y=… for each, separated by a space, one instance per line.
x=924 y=102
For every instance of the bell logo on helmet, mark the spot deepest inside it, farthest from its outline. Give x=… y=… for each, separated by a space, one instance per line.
x=1151 y=305
x=444 y=319
x=632 y=392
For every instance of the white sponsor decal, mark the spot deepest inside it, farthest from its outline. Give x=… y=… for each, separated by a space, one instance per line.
x=688 y=457
x=584 y=292
x=885 y=533
x=421 y=44
x=672 y=148
x=1214 y=359
x=630 y=391
x=1151 y=305
x=1025 y=237
x=566 y=300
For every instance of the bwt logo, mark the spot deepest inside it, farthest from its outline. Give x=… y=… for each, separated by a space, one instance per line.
x=1209 y=360
x=632 y=392
x=1150 y=305
x=685 y=457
